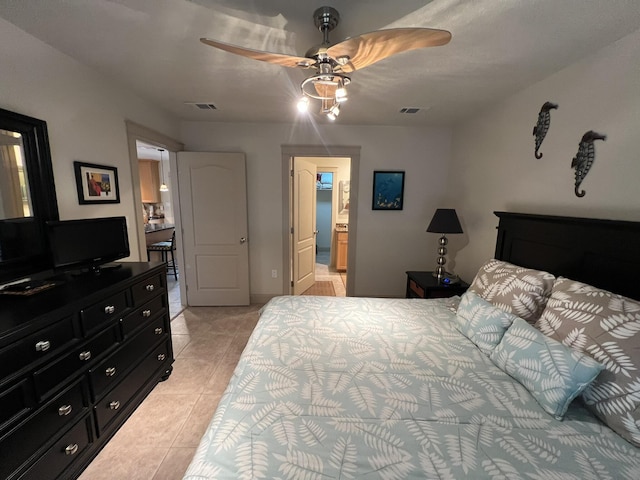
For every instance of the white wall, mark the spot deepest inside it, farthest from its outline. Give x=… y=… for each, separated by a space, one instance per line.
x=389 y=242
x=493 y=166
x=85 y=114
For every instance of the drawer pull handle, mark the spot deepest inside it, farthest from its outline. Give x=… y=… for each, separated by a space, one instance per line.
x=43 y=346
x=71 y=449
x=161 y=357
x=146 y=313
x=150 y=288
x=65 y=410
x=110 y=372
x=115 y=405
x=109 y=309
x=84 y=356
x=158 y=331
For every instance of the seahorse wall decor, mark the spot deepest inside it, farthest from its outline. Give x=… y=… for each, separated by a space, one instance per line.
x=584 y=158
x=542 y=127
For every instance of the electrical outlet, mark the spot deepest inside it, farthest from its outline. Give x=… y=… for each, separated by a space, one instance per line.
x=274 y=273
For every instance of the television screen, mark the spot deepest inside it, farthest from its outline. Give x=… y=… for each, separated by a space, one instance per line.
x=88 y=243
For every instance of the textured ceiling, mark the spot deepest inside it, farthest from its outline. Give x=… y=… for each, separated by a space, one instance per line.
x=152 y=47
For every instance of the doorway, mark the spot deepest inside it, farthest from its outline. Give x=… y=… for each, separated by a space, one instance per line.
x=327 y=209
x=345 y=161
x=138 y=137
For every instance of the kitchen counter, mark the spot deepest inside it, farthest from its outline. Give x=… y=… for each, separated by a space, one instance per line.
x=159 y=232
x=156 y=227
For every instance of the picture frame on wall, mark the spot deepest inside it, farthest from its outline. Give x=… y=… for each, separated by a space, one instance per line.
x=388 y=190
x=96 y=183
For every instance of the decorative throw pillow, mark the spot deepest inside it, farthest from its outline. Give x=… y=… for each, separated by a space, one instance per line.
x=518 y=290
x=552 y=372
x=481 y=322
x=605 y=326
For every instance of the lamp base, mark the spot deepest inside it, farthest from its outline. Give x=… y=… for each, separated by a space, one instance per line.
x=446 y=277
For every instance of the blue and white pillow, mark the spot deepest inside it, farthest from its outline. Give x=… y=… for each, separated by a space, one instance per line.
x=482 y=322
x=552 y=372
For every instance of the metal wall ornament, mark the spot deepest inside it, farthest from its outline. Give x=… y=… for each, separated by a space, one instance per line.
x=542 y=127
x=584 y=159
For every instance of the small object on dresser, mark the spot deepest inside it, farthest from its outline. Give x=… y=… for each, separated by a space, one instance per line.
x=27 y=288
x=425 y=285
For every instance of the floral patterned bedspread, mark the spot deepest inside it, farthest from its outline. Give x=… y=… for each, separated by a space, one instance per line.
x=344 y=388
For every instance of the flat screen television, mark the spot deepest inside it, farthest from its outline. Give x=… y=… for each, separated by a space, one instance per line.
x=88 y=244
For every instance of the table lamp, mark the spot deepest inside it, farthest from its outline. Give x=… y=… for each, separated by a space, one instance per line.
x=444 y=221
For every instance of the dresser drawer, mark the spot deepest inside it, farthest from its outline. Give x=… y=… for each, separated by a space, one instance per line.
x=27 y=437
x=44 y=344
x=16 y=402
x=82 y=356
x=150 y=287
x=99 y=314
x=111 y=370
x=142 y=314
x=118 y=398
x=62 y=453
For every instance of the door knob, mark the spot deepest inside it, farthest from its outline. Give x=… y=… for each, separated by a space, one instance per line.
x=243 y=239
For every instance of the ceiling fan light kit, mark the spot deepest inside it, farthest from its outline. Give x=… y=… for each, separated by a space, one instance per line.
x=333 y=63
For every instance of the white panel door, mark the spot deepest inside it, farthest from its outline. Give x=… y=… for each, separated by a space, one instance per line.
x=304 y=224
x=213 y=205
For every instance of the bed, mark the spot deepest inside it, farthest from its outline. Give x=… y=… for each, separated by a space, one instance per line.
x=512 y=380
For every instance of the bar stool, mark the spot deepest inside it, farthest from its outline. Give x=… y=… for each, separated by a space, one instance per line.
x=166 y=247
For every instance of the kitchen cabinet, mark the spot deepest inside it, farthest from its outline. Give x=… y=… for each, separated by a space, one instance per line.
x=342 y=242
x=149 y=181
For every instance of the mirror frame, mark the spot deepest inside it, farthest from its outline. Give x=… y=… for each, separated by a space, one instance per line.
x=37 y=155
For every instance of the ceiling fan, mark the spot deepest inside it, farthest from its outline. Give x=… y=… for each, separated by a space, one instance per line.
x=333 y=63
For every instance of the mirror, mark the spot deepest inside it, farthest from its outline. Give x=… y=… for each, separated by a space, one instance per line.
x=26 y=176
x=27 y=195
x=15 y=200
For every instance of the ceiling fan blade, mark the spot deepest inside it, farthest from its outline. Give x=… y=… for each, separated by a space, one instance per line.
x=372 y=47
x=275 y=58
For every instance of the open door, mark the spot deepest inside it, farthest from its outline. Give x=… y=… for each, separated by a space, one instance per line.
x=213 y=205
x=304 y=224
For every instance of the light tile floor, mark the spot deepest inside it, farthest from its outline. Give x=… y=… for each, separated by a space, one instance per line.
x=324 y=272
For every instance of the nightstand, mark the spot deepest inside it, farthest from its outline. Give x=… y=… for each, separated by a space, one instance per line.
x=425 y=285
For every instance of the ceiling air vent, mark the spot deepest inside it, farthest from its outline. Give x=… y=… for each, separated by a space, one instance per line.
x=202 y=105
x=409 y=110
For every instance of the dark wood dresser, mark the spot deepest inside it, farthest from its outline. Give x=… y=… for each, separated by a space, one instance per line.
x=75 y=362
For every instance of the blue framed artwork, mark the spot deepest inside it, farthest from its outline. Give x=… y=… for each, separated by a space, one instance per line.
x=388 y=190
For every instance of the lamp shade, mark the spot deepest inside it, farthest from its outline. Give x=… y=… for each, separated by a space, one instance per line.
x=445 y=220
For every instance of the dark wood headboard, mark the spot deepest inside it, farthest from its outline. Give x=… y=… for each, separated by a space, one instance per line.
x=602 y=253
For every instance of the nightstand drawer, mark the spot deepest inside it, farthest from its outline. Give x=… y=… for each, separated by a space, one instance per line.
x=417 y=289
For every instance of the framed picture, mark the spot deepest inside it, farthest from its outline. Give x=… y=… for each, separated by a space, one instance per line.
x=96 y=183
x=388 y=190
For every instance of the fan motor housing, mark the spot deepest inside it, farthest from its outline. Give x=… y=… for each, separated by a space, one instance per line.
x=326 y=18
